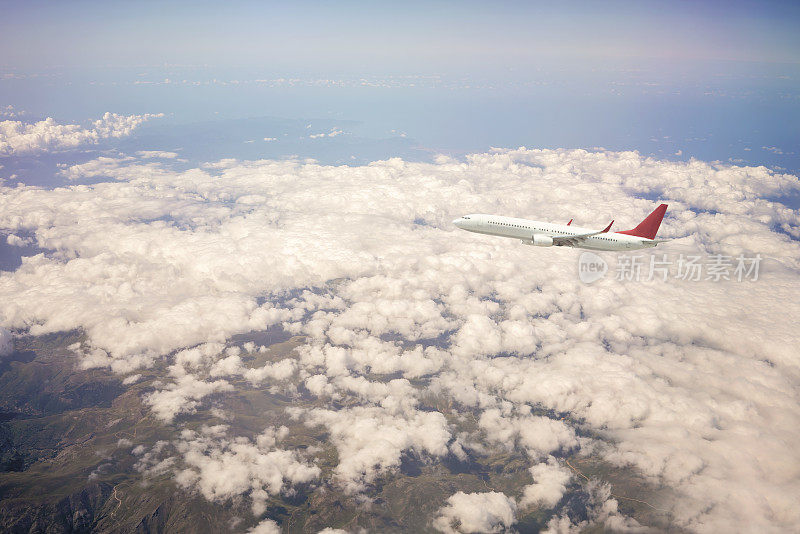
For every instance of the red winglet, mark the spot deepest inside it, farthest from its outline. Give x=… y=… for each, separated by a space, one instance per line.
x=648 y=228
x=607 y=228
x=570 y=222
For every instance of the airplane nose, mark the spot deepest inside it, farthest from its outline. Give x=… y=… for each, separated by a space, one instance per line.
x=458 y=222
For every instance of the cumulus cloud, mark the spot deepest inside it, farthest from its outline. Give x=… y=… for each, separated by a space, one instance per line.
x=267 y=526
x=232 y=365
x=396 y=306
x=333 y=132
x=601 y=509
x=17 y=241
x=10 y=112
x=132 y=379
x=17 y=137
x=549 y=484
x=195 y=375
x=183 y=396
x=370 y=440
x=537 y=435
x=157 y=154
x=221 y=468
x=476 y=512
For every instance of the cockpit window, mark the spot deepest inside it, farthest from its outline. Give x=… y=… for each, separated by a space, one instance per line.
x=465 y=217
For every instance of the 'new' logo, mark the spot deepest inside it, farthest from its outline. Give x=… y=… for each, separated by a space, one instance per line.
x=591 y=267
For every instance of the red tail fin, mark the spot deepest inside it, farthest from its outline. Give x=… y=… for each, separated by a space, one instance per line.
x=648 y=228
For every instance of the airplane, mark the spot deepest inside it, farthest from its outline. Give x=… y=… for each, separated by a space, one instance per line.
x=543 y=234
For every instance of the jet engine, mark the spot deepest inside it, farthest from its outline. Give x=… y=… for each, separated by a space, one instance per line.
x=539 y=240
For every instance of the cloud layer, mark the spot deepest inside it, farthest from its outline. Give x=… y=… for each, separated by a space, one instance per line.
x=693 y=384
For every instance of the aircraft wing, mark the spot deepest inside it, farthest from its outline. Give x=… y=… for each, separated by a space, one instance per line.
x=572 y=240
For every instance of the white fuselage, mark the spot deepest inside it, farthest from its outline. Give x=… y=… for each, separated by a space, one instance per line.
x=525 y=230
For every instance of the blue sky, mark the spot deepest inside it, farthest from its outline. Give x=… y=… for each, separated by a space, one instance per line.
x=713 y=80
x=393 y=36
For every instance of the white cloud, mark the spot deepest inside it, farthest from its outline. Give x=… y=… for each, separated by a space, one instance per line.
x=476 y=512
x=16 y=241
x=670 y=377
x=158 y=154
x=17 y=137
x=183 y=396
x=549 y=484
x=132 y=379
x=267 y=526
x=333 y=132
x=538 y=436
x=221 y=468
x=9 y=112
x=371 y=440
x=601 y=509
